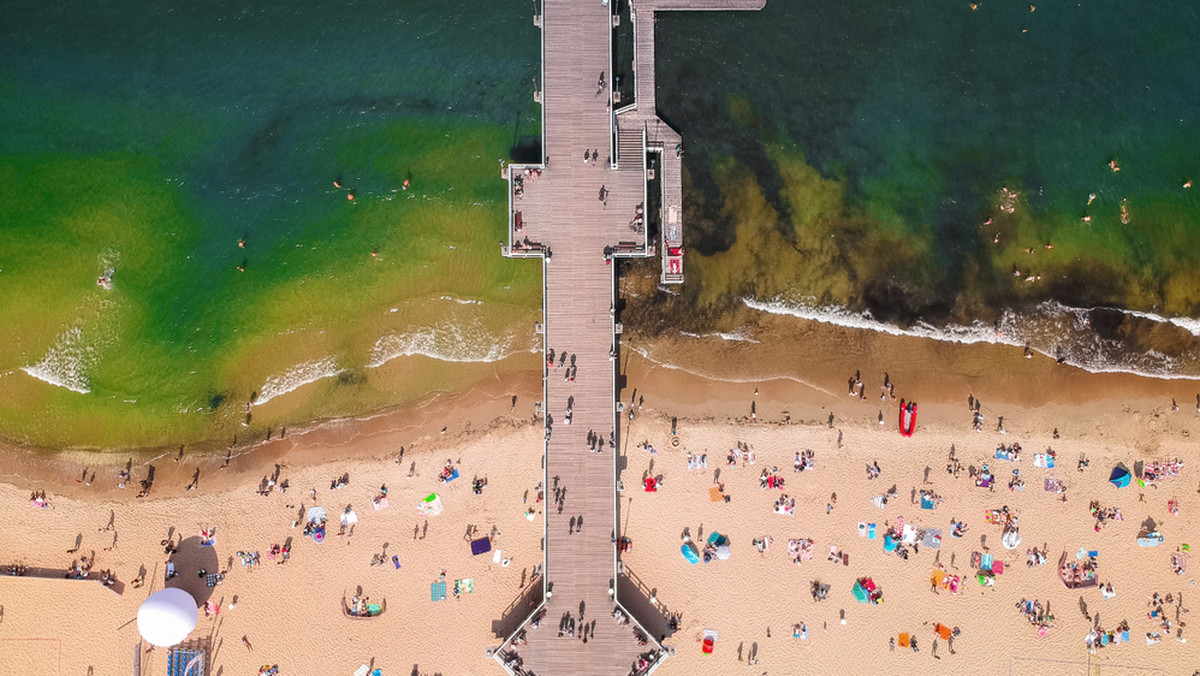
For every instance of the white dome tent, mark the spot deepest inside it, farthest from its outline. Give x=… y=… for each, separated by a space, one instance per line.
x=167 y=617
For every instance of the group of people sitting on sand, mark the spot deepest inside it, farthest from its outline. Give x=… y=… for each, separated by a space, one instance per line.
x=1081 y=574
x=1036 y=556
x=1154 y=472
x=1011 y=453
x=743 y=453
x=39 y=499
x=770 y=479
x=80 y=568
x=1104 y=514
x=785 y=505
x=1158 y=614
x=803 y=460
x=1099 y=638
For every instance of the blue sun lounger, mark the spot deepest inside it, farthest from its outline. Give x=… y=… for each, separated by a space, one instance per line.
x=437 y=591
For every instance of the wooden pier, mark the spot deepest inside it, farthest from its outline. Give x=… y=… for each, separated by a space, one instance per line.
x=579 y=210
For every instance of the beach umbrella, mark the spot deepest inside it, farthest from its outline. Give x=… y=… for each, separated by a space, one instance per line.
x=723 y=552
x=1119 y=477
x=167 y=616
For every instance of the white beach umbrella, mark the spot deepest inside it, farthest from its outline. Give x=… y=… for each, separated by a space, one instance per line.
x=167 y=617
x=723 y=552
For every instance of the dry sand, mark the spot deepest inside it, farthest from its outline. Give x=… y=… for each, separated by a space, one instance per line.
x=290 y=613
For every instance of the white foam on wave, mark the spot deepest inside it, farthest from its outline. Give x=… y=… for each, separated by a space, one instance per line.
x=65 y=363
x=735 y=336
x=1050 y=328
x=977 y=332
x=446 y=342
x=1188 y=324
x=462 y=301
x=296 y=377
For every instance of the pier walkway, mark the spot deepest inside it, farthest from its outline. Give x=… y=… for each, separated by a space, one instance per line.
x=579 y=216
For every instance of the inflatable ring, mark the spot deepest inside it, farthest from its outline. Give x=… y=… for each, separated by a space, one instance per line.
x=675 y=441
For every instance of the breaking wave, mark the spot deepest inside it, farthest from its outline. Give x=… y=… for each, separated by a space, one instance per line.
x=65 y=363
x=447 y=342
x=1139 y=343
x=296 y=377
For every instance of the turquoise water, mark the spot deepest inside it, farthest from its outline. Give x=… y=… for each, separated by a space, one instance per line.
x=143 y=141
x=860 y=151
x=842 y=157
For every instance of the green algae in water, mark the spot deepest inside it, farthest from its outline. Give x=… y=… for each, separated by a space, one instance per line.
x=916 y=117
x=143 y=142
x=177 y=332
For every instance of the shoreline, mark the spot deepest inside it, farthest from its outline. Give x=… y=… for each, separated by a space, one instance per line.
x=483 y=407
x=717 y=383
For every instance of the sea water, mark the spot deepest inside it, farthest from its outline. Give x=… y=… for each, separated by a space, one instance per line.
x=173 y=246
x=1005 y=172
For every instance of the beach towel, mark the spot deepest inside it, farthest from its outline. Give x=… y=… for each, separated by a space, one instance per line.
x=908 y=534
x=481 y=546
x=870 y=531
x=937 y=577
x=714 y=494
x=986 y=562
x=926 y=502
x=381 y=503
x=860 y=594
x=437 y=591
x=862 y=529
x=709 y=640
x=1043 y=460
x=933 y=538
x=878 y=501
x=464 y=586
x=903 y=640
x=943 y=631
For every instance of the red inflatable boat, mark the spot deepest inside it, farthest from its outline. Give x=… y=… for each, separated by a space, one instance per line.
x=908 y=418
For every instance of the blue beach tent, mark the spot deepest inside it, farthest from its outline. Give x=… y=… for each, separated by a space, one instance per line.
x=1119 y=477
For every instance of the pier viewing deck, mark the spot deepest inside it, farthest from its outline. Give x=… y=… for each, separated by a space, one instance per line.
x=584 y=206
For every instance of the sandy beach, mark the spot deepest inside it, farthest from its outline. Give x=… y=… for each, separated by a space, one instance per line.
x=290 y=613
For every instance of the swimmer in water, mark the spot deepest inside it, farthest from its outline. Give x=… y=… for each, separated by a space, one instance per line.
x=1087 y=219
x=350 y=195
x=242 y=243
x=996 y=239
x=1049 y=245
x=1091 y=198
x=1187 y=184
x=374 y=252
x=1112 y=164
x=337 y=182
x=405 y=184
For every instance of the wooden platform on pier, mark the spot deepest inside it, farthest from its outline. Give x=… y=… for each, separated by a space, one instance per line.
x=581 y=216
